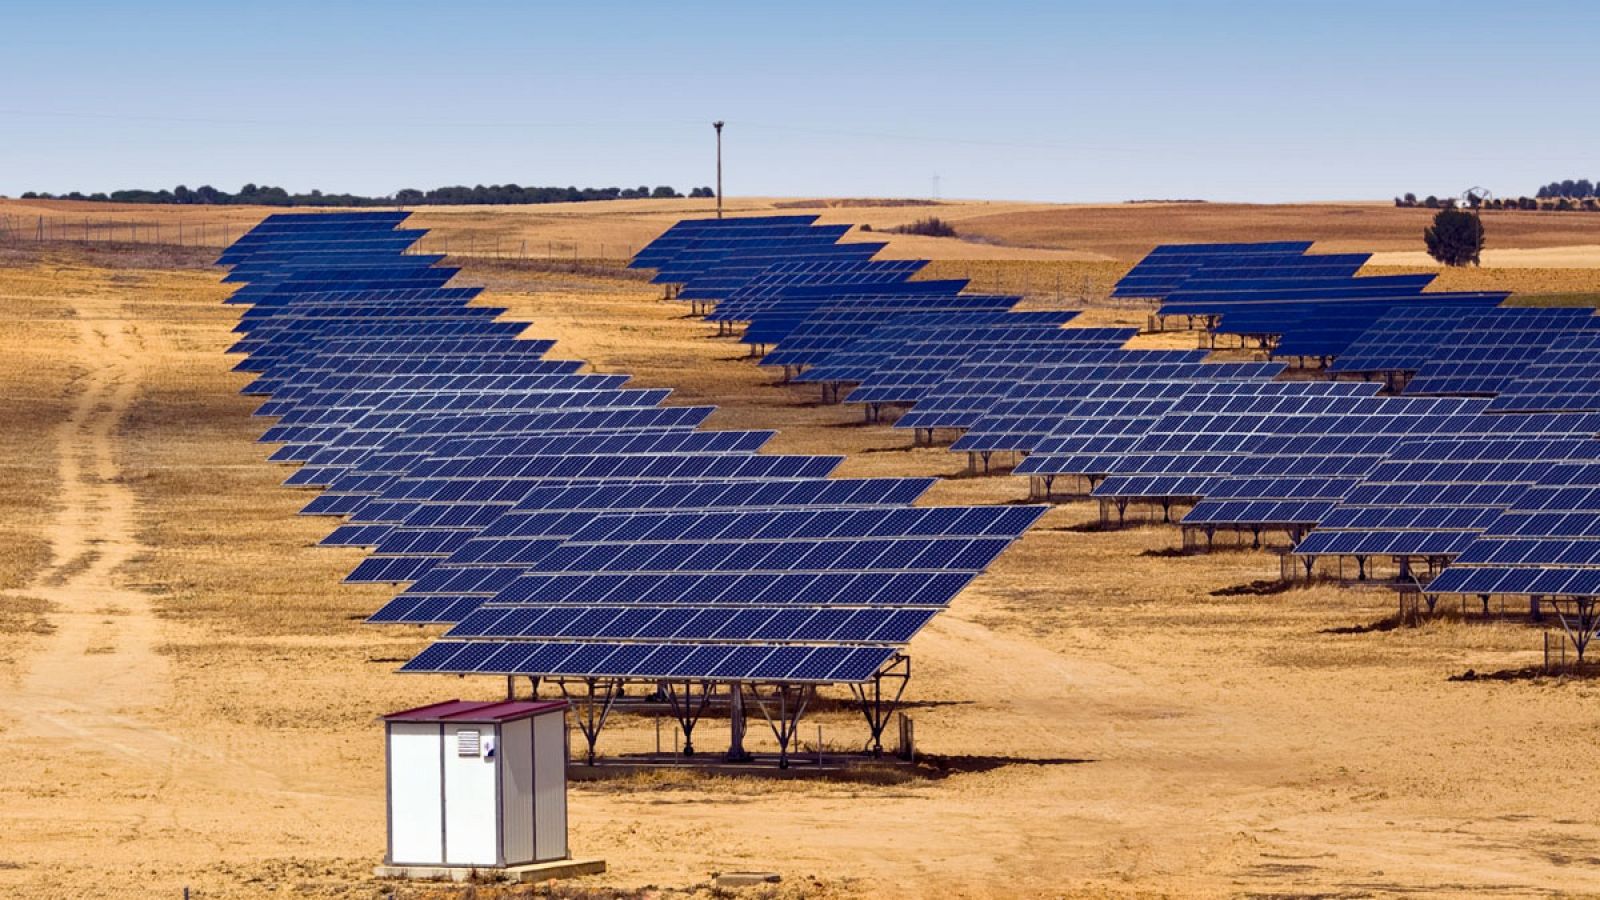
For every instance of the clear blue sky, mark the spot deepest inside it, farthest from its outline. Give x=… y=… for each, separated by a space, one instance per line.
x=1108 y=100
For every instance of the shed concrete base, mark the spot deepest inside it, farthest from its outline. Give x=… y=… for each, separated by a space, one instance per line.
x=746 y=879
x=547 y=871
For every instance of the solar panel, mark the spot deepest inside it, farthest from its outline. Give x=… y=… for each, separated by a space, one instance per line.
x=1293 y=481
x=927 y=358
x=1430 y=497
x=1040 y=400
x=1166 y=267
x=1545 y=543
x=1401 y=340
x=1203 y=436
x=470 y=464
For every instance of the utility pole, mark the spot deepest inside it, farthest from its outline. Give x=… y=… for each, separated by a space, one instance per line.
x=718 y=126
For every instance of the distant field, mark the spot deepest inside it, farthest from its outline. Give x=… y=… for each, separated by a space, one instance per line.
x=989 y=230
x=1129 y=231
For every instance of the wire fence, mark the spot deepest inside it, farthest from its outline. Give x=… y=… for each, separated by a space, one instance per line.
x=515 y=248
x=85 y=230
x=1053 y=283
x=220 y=233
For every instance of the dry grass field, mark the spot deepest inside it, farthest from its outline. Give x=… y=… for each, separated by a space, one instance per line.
x=189 y=693
x=989 y=230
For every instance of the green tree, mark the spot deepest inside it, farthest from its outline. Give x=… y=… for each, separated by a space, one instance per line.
x=1455 y=238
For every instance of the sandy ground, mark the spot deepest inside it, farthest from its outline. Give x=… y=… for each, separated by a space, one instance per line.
x=1578 y=256
x=189 y=695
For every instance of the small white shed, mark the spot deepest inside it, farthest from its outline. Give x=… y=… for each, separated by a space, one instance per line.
x=477 y=784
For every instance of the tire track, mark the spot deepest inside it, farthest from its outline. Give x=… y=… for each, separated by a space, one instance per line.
x=100 y=667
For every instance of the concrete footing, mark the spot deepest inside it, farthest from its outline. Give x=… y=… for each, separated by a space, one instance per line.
x=532 y=872
x=746 y=879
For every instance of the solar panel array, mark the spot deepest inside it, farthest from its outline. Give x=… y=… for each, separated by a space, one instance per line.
x=1564 y=378
x=565 y=524
x=1299 y=304
x=1430 y=497
x=1544 y=543
x=1469 y=424
x=1166 y=267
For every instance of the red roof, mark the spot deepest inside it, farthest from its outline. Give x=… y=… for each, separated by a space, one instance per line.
x=477 y=711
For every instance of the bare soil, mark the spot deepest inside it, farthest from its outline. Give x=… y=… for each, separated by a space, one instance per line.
x=189 y=694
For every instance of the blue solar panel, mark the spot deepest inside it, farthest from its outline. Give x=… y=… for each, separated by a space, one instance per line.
x=1168 y=266
x=1034 y=406
x=469 y=464
x=1430 y=497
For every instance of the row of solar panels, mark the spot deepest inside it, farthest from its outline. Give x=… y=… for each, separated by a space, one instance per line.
x=1302 y=305
x=563 y=524
x=1499 y=402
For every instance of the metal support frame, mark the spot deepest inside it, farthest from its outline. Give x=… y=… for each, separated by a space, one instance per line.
x=873 y=708
x=688 y=713
x=791 y=701
x=1579 y=618
x=593 y=707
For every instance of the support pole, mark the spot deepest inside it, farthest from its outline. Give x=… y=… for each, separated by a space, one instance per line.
x=718 y=126
x=736 y=724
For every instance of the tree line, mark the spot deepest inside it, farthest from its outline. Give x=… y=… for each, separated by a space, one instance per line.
x=1579 y=189
x=265 y=195
x=1534 y=204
